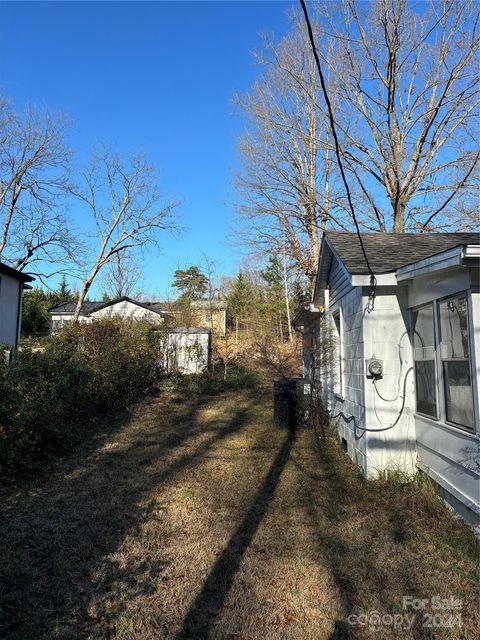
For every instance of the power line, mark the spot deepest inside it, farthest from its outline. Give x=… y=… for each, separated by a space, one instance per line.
x=373 y=280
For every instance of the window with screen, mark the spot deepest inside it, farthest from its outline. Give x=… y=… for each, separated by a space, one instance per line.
x=424 y=360
x=338 y=383
x=455 y=359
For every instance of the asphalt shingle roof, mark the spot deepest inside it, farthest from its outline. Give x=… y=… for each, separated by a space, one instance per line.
x=388 y=252
x=91 y=307
x=69 y=307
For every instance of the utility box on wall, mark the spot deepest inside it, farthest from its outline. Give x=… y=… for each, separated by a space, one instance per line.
x=187 y=350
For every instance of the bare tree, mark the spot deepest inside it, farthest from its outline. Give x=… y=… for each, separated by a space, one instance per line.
x=212 y=289
x=123 y=198
x=34 y=179
x=286 y=185
x=407 y=79
x=122 y=276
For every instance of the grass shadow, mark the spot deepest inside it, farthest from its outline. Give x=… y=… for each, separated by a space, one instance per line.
x=56 y=533
x=209 y=602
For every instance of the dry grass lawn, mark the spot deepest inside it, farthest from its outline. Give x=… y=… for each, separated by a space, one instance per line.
x=196 y=518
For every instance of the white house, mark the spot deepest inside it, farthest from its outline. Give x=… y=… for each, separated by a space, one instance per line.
x=62 y=312
x=401 y=381
x=12 y=284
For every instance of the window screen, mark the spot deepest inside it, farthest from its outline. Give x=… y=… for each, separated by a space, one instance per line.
x=338 y=353
x=455 y=357
x=424 y=359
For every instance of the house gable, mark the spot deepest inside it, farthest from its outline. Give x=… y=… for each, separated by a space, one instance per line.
x=128 y=309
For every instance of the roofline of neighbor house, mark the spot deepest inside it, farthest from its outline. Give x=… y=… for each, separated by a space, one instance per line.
x=102 y=305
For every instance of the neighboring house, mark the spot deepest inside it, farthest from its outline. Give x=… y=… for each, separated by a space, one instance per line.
x=188 y=350
x=62 y=313
x=12 y=284
x=419 y=406
x=200 y=313
x=206 y=314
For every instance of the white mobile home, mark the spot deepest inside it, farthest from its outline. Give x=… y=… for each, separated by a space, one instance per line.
x=401 y=381
x=12 y=284
x=126 y=308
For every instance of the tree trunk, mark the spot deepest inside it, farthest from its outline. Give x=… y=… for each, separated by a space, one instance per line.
x=287 y=302
x=236 y=338
x=81 y=298
x=399 y=217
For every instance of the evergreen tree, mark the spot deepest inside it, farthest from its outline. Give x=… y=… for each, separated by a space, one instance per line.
x=240 y=299
x=191 y=283
x=35 y=316
x=63 y=292
x=274 y=309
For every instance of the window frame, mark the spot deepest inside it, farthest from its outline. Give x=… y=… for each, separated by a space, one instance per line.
x=470 y=361
x=338 y=383
x=438 y=406
x=439 y=376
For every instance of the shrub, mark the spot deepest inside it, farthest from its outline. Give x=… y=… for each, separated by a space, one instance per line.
x=89 y=370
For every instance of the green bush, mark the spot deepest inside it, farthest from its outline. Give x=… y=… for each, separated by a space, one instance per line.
x=89 y=370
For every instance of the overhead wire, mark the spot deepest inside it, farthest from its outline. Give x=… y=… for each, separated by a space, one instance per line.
x=373 y=280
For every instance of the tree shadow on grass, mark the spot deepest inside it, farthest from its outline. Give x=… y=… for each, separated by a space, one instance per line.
x=209 y=602
x=364 y=533
x=56 y=534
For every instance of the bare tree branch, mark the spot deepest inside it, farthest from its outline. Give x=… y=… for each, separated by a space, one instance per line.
x=34 y=181
x=123 y=199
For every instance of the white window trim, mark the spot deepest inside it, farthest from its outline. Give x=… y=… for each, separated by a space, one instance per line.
x=338 y=383
x=439 y=377
x=436 y=418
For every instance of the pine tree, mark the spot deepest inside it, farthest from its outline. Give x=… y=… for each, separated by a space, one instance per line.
x=63 y=293
x=240 y=299
x=191 y=283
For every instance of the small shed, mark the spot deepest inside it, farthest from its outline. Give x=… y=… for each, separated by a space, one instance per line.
x=188 y=350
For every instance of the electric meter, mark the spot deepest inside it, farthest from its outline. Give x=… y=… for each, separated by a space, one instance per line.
x=374 y=368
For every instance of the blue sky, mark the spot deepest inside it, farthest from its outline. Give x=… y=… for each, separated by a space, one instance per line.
x=157 y=76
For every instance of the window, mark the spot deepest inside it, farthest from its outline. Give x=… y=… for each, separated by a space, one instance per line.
x=455 y=359
x=424 y=358
x=338 y=383
x=441 y=355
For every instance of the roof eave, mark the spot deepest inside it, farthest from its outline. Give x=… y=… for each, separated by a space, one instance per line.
x=325 y=257
x=15 y=273
x=443 y=261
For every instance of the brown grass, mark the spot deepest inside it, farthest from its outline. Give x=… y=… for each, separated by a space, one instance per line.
x=197 y=519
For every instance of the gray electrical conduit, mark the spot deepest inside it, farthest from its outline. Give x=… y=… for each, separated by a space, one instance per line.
x=348 y=419
x=369 y=429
